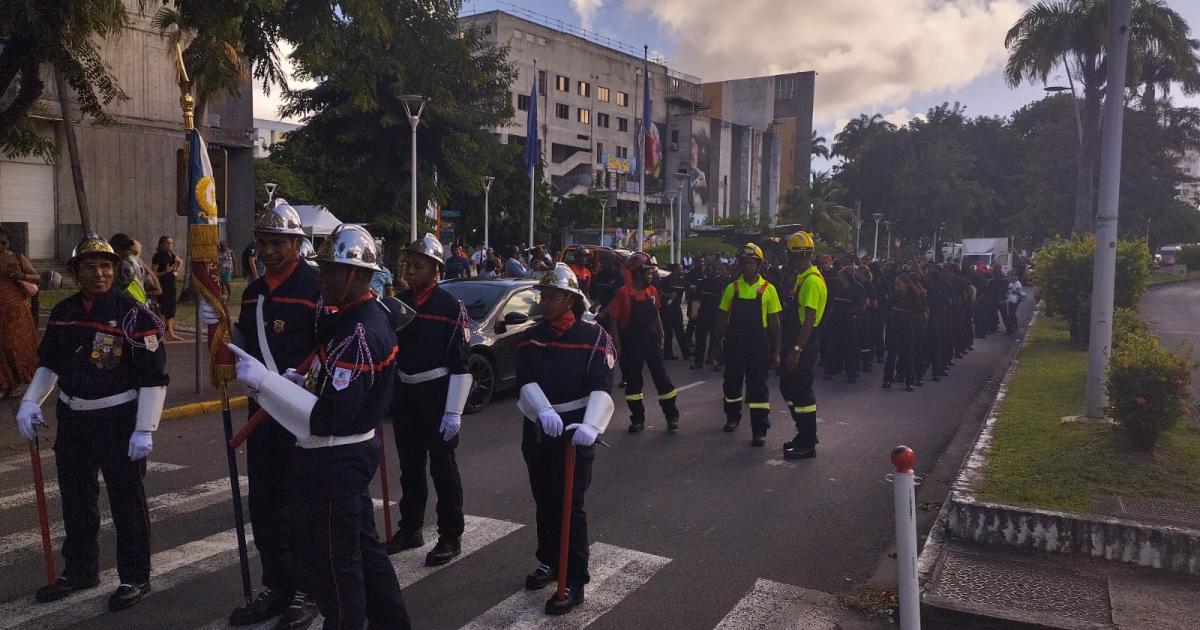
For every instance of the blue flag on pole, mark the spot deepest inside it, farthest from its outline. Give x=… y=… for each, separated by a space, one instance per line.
x=533 y=154
x=651 y=147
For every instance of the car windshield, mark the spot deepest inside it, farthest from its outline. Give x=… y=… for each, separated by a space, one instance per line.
x=477 y=297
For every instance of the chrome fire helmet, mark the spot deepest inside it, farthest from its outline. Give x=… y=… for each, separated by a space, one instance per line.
x=350 y=245
x=428 y=246
x=560 y=277
x=280 y=218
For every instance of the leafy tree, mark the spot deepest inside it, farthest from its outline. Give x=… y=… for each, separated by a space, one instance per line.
x=819 y=146
x=290 y=186
x=814 y=206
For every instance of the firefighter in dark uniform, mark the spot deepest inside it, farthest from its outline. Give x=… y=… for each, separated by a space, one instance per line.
x=333 y=411
x=607 y=280
x=749 y=327
x=580 y=262
x=809 y=296
x=709 y=293
x=672 y=289
x=275 y=326
x=427 y=409
x=104 y=350
x=637 y=331
x=565 y=372
x=847 y=302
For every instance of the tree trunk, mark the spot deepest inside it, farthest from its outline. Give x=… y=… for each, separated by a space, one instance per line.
x=64 y=103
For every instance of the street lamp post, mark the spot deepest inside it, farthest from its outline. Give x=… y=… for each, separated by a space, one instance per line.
x=684 y=179
x=487 y=189
x=671 y=204
x=878 y=216
x=888 y=225
x=411 y=101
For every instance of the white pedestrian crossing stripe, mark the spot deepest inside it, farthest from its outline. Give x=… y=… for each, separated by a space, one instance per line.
x=29 y=497
x=21 y=463
x=161 y=506
x=782 y=607
x=615 y=572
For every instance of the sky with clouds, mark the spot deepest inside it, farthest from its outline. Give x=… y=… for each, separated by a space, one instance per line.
x=897 y=58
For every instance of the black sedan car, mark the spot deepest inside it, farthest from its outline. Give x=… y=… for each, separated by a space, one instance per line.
x=500 y=310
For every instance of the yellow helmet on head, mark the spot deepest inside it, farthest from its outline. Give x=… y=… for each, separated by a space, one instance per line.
x=800 y=242
x=750 y=250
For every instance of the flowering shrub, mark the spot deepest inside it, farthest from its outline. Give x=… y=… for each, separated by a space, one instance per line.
x=1147 y=388
x=1063 y=275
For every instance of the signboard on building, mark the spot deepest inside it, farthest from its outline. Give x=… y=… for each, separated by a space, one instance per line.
x=614 y=164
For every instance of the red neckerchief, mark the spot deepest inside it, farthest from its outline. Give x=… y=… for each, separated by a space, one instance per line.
x=369 y=295
x=87 y=305
x=421 y=296
x=563 y=323
x=278 y=278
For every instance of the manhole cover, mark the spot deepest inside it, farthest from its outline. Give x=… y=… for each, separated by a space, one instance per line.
x=1162 y=509
x=1012 y=585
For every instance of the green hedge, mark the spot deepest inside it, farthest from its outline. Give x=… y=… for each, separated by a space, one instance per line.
x=1063 y=275
x=1148 y=388
x=1190 y=256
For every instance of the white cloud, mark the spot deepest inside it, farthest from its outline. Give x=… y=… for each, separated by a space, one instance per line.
x=268 y=106
x=586 y=9
x=868 y=54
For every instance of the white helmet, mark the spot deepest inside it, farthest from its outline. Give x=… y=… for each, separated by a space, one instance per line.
x=350 y=245
x=428 y=246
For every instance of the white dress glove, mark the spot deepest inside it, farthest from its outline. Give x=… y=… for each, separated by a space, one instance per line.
x=451 y=423
x=585 y=434
x=250 y=371
x=551 y=422
x=29 y=415
x=292 y=375
x=140 y=445
x=208 y=314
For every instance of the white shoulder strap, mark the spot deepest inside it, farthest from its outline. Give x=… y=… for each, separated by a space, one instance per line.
x=263 y=346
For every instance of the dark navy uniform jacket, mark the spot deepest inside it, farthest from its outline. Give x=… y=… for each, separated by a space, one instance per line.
x=567 y=367
x=352 y=379
x=437 y=337
x=289 y=315
x=102 y=348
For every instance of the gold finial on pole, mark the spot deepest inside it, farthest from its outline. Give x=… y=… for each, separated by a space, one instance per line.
x=186 y=103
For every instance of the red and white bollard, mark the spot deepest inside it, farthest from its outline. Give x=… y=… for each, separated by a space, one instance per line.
x=905 y=501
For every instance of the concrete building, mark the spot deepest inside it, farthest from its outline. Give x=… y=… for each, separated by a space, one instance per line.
x=266 y=133
x=1190 y=166
x=129 y=168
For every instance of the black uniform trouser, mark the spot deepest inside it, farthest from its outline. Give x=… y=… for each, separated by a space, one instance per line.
x=936 y=332
x=546 y=463
x=672 y=320
x=346 y=568
x=417 y=417
x=797 y=388
x=921 y=355
x=747 y=361
x=843 y=353
x=634 y=353
x=866 y=332
x=690 y=331
x=268 y=459
x=704 y=323
x=899 y=363
x=1010 y=317
x=84 y=447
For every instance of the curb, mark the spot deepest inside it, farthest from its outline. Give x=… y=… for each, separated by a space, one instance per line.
x=1170 y=283
x=181 y=411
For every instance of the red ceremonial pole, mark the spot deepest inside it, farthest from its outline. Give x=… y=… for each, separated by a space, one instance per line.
x=565 y=542
x=261 y=416
x=35 y=457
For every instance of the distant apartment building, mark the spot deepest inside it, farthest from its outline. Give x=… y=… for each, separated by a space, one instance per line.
x=268 y=132
x=1189 y=165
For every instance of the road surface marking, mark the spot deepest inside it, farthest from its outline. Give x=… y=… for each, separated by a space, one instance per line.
x=616 y=573
x=30 y=496
x=160 y=506
x=21 y=463
x=689 y=386
x=781 y=606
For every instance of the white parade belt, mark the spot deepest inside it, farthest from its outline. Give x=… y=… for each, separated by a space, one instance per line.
x=571 y=405
x=421 y=377
x=325 y=441
x=83 y=404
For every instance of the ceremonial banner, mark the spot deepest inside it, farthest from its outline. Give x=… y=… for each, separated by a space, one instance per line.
x=203 y=238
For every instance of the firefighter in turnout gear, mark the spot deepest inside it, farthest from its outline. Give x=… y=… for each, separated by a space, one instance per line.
x=750 y=329
x=105 y=352
x=432 y=391
x=333 y=411
x=565 y=373
x=638 y=333
x=809 y=296
x=276 y=326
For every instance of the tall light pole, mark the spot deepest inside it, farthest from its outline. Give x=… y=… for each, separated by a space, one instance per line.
x=671 y=204
x=1104 y=268
x=410 y=102
x=888 y=225
x=683 y=179
x=487 y=189
x=878 y=216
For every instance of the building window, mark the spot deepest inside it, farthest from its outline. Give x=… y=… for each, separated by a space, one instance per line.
x=602 y=120
x=562 y=111
x=584 y=115
x=523 y=102
x=785 y=88
x=602 y=94
x=622 y=99
x=674 y=136
x=562 y=84
x=623 y=153
x=541 y=82
x=584 y=88
x=622 y=123
x=599 y=152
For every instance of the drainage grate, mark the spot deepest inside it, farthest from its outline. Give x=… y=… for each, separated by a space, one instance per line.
x=1013 y=585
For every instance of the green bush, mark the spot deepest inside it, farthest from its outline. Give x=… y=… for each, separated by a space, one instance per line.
x=1190 y=256
x=1147 y=389
x=1127 y=325
x=1063 y=275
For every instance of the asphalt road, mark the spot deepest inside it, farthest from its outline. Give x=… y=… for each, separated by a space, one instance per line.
x=692 y=530
x=1172 y=312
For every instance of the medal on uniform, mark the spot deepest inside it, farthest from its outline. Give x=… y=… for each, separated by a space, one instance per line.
x=277 y=326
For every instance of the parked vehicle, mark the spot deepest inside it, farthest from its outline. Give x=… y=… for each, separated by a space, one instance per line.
x=500 y=310
x=987 y=251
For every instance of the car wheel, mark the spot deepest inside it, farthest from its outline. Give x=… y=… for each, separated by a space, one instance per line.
x=483 y=382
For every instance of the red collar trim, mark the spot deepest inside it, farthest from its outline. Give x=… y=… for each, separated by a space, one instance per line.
x=421 y=296
x=276 y=279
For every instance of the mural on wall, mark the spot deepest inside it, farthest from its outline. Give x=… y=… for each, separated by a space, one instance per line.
x=698 y=168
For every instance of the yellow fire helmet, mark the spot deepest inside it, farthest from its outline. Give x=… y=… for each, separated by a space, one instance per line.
x=800 y=242
x=93 y=245
x=750 y=250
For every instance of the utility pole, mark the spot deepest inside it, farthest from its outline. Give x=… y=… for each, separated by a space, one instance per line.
x=1105 y=259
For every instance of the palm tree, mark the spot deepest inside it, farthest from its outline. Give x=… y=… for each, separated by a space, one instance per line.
x=212 y=54
x=1156 y=73
x=1073 y=34
x=849 y=142
x=814 y=206
x=819 y=145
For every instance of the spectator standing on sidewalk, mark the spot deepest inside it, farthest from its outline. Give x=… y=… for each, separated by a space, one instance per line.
x=1012 y=302
x=225 y=265
x=18 y=331
x=166 y=267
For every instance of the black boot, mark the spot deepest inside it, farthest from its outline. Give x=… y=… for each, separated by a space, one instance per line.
x=887 y=384
x=541 y=577
x=571 y=598
x=405 y=540
x=299 y=613
x=731 y=424
x=127 y=595
x=672 y=423
x=62 y=587
x=443 y=552
x=799 y=452
x=637 y=426
x=759 y=439
x=268 y=603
